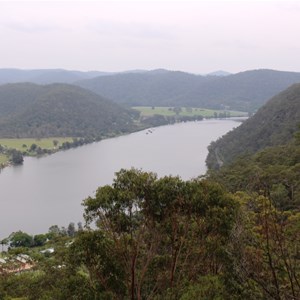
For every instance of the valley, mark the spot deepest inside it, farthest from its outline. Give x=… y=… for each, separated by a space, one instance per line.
x=222 y=195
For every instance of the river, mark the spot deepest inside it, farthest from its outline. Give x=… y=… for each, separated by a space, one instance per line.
x=49 y=190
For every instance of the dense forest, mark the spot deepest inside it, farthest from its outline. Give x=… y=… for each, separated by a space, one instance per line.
x=60 y=110
x=274 y=124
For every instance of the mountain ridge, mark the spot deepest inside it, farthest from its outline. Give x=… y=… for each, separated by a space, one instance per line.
x=244 y=91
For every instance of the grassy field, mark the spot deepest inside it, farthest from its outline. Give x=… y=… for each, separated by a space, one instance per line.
x=3 y=159
x=168 y=111
x=19 y=144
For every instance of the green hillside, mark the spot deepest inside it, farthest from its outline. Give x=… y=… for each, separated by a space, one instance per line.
x=59 y=110
x=14 y=98
x=274 y=124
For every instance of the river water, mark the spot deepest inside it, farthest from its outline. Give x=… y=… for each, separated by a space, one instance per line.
x=49 y=190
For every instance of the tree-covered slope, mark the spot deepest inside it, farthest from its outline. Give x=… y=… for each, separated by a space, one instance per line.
x=245 y=91
x=158 y=87
x=15 y=97
x=29 y=110
x=274 y=124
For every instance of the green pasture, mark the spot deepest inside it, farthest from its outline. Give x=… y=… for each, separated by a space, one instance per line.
x=23 y=144
x=3 y=159
x=185 y=111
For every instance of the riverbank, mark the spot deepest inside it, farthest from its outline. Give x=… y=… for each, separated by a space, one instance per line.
x=12 y=151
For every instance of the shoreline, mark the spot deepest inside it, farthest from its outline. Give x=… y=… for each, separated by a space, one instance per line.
x=79 y=141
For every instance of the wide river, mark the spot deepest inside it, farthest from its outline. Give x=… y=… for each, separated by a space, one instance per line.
x=49 y=190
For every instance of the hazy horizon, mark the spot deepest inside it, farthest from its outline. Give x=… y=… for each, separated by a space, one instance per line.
x=113 y=36
x=141 y=70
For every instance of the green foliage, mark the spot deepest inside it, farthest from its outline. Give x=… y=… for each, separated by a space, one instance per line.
x=16 y=157
x=94 y=251
x=71 y=230
x=264 y=253
x=42 y=143
x=207 y=288
x=3 y=159
x=147 y=111
x=20 y=239
x=39 y=240
x=153 y=234
x=273 y=172
x=52 y=278
x=264 y=260
x=274 y=124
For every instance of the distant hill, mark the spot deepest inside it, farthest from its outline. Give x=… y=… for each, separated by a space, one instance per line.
x=219 y=73
x=157 y=87
x=274 y=124
x=29 y=110
x=245 y=91
x=45 y=76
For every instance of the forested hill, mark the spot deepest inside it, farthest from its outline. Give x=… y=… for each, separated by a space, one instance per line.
x=45 y=76
x=274 y=124
x=245 y=91
x=158 y=87
x=29 y=110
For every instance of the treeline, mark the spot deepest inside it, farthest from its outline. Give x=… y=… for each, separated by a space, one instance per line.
x=16 y=157
x=23 y=240
x=159 y=120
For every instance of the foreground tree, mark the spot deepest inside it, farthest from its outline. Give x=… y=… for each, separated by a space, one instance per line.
x=265 y=250
x=154 y=236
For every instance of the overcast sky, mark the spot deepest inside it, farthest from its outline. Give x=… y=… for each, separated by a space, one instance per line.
x=194 y=36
